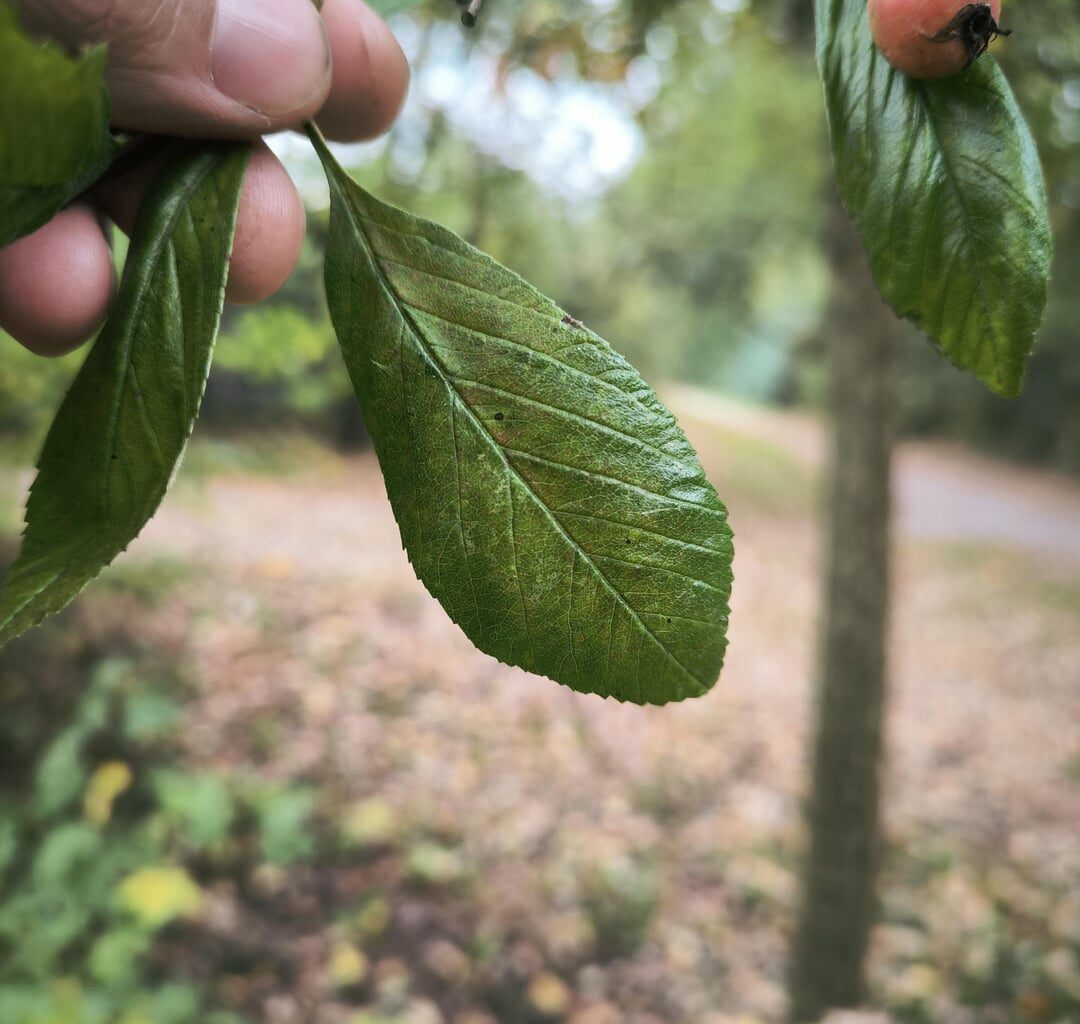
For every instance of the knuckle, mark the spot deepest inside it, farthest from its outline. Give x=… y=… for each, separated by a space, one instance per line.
x=133 y=28
x=73 y=22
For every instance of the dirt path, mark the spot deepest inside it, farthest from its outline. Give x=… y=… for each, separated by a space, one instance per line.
x=943 y=492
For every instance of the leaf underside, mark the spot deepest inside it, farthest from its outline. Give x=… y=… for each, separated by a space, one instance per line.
x=944 y=182
x=121 y=431
x=54 y=127
x=544 y=494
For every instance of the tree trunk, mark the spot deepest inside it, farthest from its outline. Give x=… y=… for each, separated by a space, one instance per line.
x=839 y=904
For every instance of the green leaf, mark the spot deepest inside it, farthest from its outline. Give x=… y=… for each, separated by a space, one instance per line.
x=149 y=715
x=9 y=841
x=944 y=182
x=61 y=774
x=121 y=432
x=64 y=852
x=54 y=127
x=172 y=1003
x=544 y=494
x=198 y=805
x=36 y=925
x=114 y=958
x=284 y=817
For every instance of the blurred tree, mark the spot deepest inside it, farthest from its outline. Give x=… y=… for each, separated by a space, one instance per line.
x=839 y=902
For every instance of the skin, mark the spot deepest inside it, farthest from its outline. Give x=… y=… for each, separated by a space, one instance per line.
x=185 y=68
x=903 y=29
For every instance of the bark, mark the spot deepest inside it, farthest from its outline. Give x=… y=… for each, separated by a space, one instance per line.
x=839 y=904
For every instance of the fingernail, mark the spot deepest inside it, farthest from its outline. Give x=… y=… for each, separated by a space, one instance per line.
x=271 y=55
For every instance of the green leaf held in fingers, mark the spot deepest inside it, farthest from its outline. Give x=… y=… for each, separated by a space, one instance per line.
x=121 y=431
x=544 y=494
x=54 y=127
x=944 y=182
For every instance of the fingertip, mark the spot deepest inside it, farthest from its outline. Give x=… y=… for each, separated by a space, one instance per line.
x=370 y=73
x=55 y=284
x=270 y=222
x=270 y=227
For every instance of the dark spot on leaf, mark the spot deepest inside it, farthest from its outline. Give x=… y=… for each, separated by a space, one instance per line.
x=629 y=541
x=499 y=416
x=669 y=620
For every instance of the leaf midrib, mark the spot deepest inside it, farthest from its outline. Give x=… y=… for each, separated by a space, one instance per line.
x=1000 y=359
x=158 y=247
x=546 y=356
x=511 y=471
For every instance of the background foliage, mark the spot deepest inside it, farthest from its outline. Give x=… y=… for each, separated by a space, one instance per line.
x=695 y=247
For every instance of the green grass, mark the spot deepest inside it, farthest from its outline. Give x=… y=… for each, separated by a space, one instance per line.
x=17 y=451
x=259 y=454
x=285 y=454
x=1028 y=580
x=148 y=580
x=1061 y=594
x=751 y=474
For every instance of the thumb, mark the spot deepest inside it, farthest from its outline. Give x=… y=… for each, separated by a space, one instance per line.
x=200 y=67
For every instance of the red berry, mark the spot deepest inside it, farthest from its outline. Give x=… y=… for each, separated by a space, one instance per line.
x=933 y=38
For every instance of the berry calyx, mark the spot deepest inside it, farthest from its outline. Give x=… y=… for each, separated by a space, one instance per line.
x=933 y=38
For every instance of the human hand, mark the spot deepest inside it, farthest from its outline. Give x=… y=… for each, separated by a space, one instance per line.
x=203 y=69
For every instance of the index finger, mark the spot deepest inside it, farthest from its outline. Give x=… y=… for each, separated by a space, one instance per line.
x=370 y=75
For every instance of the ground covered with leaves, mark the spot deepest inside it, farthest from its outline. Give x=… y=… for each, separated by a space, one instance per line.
x=257 y=775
